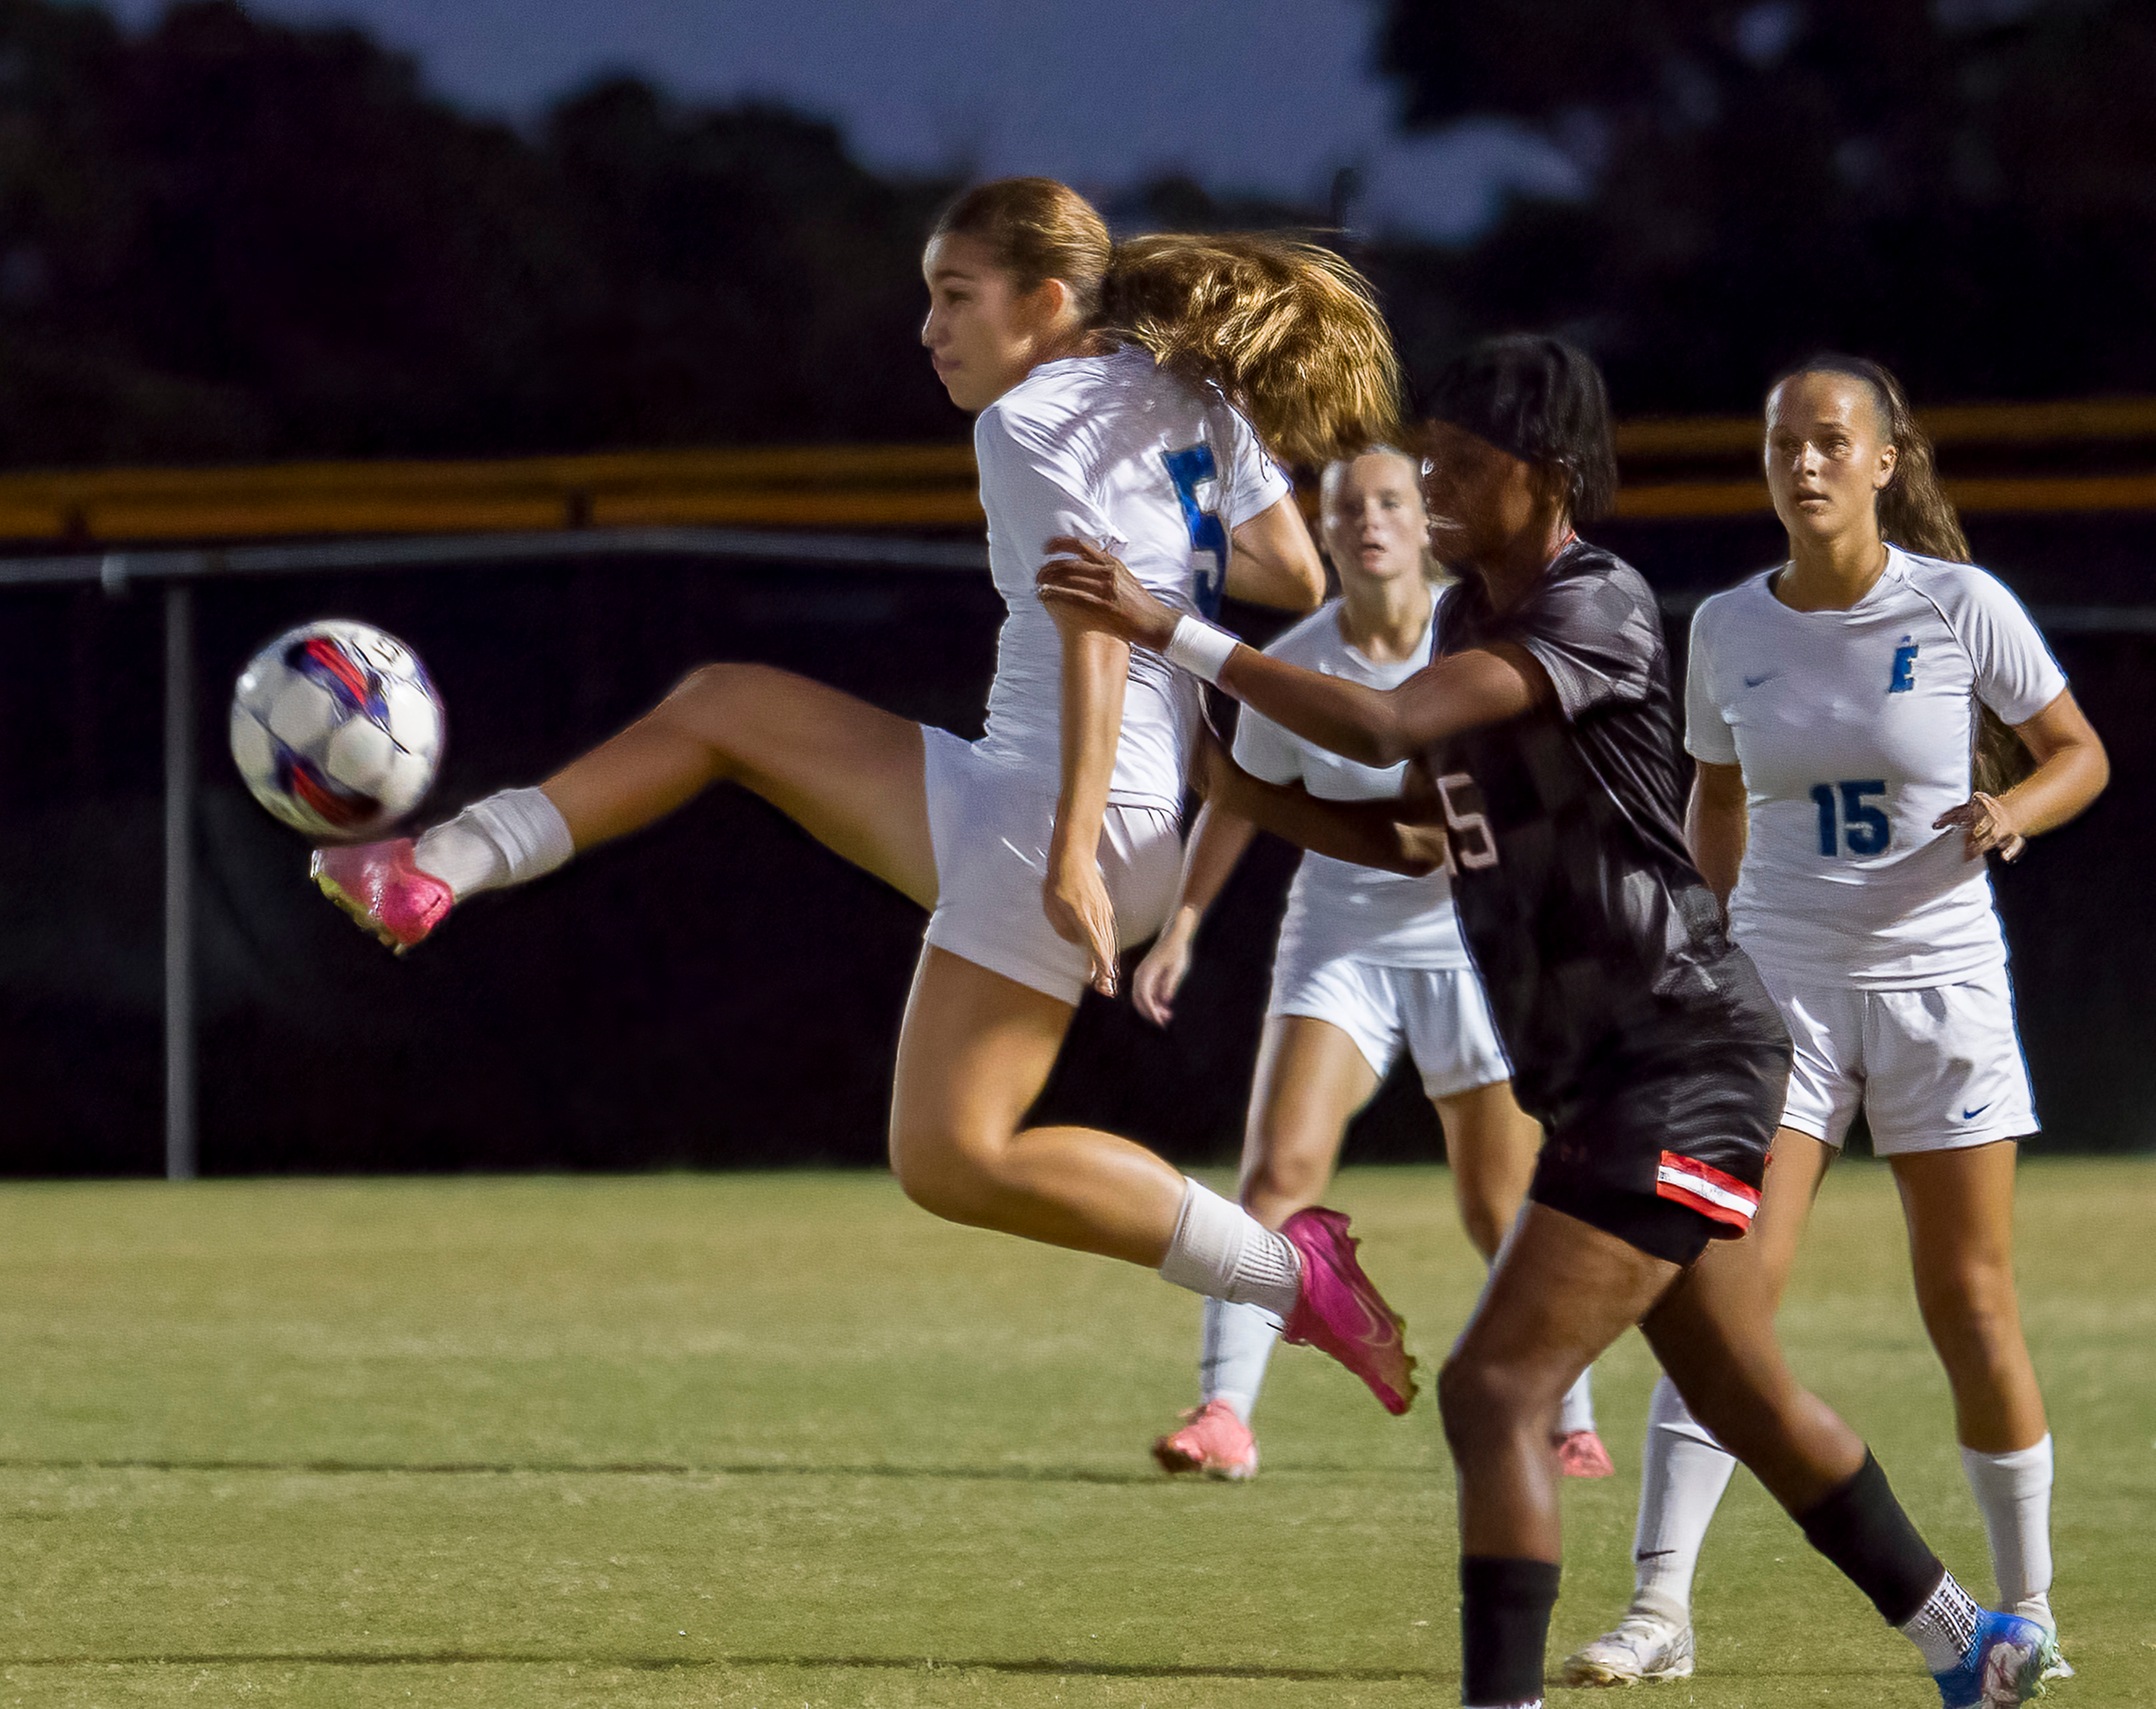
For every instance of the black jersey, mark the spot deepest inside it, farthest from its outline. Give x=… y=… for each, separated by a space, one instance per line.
x=1601 y=948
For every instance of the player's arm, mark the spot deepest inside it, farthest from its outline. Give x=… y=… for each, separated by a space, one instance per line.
x=1096 y=672
x=2071 y=771
x=1404 y=835
x=1275 y=562
x=1715 y=825
x=1217 y=843
x=1376 y=727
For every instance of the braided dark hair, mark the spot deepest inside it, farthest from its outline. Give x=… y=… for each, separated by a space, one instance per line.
x=1541 y=400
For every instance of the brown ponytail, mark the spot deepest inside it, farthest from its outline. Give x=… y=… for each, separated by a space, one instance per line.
x=1289 y=332
x=1916 y=515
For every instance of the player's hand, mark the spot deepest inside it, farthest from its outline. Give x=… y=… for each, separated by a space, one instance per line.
x=1160 y=975
x=1089 y=585
x=1076 y=899
x=1988 y=827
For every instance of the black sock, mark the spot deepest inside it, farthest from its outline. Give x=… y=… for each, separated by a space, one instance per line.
x=1862 y=1529
x=1505 y=1608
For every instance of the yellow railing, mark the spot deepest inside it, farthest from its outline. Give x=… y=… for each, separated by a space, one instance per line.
x=1696 y=467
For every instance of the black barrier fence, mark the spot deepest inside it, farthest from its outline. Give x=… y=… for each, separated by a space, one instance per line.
x=719 y=991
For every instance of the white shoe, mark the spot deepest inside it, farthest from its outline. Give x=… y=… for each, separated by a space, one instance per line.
x=1644 y=1647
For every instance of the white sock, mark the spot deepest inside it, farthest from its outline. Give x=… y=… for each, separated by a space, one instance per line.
x=1578 y=1410
x=1231 y=1363
x=2014 y=1492
x=1684 y=1474
x=510 y=838
x=1945 y=1626
x=1221 y=1250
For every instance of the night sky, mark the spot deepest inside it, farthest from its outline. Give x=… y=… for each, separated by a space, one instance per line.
x=1260 y=94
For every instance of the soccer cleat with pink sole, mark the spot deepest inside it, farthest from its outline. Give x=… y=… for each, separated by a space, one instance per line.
x=1338 y=1310
x=1212 y=1440
x=381 y=887
x=1580 y=1454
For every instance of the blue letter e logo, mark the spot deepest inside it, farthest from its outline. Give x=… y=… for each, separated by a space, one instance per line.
x=1904 y=677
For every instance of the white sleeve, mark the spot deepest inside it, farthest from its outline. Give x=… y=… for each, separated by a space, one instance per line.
x=1033 y=490
x=2016 y=675
x=1707 y=735
x=1254 y=482
x=1265 y=750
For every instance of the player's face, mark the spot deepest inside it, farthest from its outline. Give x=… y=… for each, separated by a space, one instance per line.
x=1372 y=518
x=1481 y=501
x=1828 y=456
x=983 y=334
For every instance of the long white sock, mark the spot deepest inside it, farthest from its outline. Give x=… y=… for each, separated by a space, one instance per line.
x=2014 y=1492
x=1578 y=1410
x=510 y=838
x=1231 y=1362
x=1684 y=1474
x=1945 y=1625
x=1221 y=1250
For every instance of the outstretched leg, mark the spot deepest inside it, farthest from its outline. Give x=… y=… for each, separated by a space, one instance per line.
x=1684 y=1470
x=846 y=772
x=1714 y=1334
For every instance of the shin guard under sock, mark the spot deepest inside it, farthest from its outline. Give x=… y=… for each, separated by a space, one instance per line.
x=1505 y=1605
x=1862 y=1529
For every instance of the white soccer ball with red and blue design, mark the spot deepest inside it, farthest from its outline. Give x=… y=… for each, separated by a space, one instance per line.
x=337 y=730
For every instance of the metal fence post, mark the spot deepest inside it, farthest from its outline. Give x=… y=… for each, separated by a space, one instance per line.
x=180 y=1147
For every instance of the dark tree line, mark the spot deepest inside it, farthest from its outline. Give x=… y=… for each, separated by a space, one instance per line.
x=1965 y=188
x=233 y=238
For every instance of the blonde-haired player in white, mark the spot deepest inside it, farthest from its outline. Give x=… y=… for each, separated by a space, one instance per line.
x=1049 y=843
x=1849 y=786
x=1369 y=962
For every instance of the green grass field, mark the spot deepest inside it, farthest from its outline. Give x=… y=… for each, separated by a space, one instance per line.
x=784 y=1440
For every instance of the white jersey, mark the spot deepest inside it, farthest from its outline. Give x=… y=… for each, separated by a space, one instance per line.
x=1111 y=450
x=1336 y=908
x=1855 y=730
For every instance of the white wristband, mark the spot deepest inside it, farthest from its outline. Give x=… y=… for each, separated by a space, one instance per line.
x=1199 y=648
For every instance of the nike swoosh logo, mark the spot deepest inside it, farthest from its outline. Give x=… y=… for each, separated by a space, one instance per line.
x=1755 y=681
x=1971 y=1115
x=1653 y=1554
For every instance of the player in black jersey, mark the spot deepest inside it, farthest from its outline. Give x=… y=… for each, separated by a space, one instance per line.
x=1640 y=1035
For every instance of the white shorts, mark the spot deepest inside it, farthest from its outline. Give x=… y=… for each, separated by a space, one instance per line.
x=1934 y=1069
x=1440 y=1014
x=991 y=828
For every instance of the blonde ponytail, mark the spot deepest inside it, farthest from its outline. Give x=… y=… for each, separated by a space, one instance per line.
x=1288 y=331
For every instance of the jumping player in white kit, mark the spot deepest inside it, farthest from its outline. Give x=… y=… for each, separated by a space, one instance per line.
x=1370 y=963
x=1842 y=809
x=1115 y=387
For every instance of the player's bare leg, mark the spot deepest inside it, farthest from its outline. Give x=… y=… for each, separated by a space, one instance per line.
x=848 y=773
x=1959 y=1206
x=1713 y=1332
x=1491 y=1145
x=1685 y=1471
x=1562 y=1290
x=974 y=1053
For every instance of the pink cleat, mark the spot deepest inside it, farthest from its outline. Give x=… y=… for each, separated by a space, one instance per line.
x=1213 y=1441
x=1580 y=1454
x=380 y=887
x=1339 y=1311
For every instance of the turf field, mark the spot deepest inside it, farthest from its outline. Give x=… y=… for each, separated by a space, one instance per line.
x=784 y=1440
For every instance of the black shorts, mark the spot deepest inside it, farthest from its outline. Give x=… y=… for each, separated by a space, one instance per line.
x=1667 y=1147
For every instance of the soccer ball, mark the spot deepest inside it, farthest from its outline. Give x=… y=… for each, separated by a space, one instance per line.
x=337 y=730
